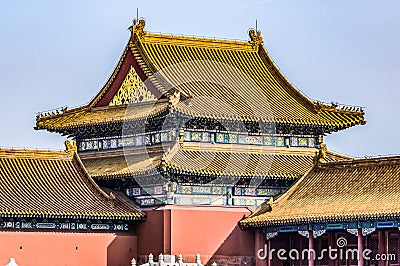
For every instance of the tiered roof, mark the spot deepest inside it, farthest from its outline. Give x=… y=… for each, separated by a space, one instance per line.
x=206 y=72
x=55 y=184
x=233 y=160
x=361 y=189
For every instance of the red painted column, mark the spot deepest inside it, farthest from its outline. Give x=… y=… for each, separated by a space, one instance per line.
x=260 y=244
x=167 y=235
x=360 y=247
x=311 y=247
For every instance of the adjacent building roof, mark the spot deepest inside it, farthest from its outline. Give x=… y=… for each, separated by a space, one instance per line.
x=359 y=189
x=233 y=160
x=54 y=184
x=220 y=79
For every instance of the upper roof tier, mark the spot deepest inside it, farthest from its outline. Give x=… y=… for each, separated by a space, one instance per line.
x=52 y=184
x=358 y=189
x=207 y=78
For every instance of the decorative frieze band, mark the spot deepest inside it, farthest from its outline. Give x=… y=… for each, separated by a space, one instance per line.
x=153 y=138
x=63 y=225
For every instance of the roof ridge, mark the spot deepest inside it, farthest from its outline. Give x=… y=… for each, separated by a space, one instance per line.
x=144 y=36
x=214 y=42
x=188 y=36
x=362 y=162
x=300 y=95
x=340 y=155
x=32 y=153
x=144 y=63
x=95 y=100
x=88 y=178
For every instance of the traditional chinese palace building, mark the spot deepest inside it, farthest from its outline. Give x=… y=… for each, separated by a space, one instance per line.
x=186 y=138
x=175 y=115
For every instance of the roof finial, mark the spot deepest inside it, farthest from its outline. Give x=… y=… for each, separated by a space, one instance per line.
x=320 y=154
x=271 y=202
x=139 y=28
x=112 y=198
x=138 y=25
x=175 y=98
x=255 y=37
x=70 y=148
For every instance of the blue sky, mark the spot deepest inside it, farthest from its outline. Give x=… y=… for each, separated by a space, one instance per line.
x=56 y=53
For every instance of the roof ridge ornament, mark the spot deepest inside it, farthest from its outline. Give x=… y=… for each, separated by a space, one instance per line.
x=320 y=155
x=255 y=38
x=175 y=98
x=336 y=107
x=112 y=198
x=138 y=27
x=70 y=148
x=271 y=202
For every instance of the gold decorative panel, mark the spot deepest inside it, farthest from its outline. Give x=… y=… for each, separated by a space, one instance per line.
x=132 y=90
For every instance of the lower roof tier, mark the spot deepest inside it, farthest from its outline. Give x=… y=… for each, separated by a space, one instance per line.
x=206 y=159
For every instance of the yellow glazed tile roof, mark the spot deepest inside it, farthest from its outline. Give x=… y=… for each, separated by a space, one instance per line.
x=356 y=189
x=212 y=159
x=220 y=79
x=51 y=184
x=111 y=167
x=215 y=85
x=241 y=160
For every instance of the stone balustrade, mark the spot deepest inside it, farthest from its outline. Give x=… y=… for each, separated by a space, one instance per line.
x=172 y=262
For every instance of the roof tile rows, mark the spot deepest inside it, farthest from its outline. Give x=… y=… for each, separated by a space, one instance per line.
x=52 y=184
x=358 y=189
x=212 y=159
x=218 y=79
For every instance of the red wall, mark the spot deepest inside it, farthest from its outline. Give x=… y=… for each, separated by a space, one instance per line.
x=151 y=233
x=211 y=231
x=61 y=248
x=121 y=250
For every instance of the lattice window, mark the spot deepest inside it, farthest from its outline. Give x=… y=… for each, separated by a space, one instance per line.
x=132 y=90
x=295 y=245
x=393 y=248
x=373 y=245
x=323 y=245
